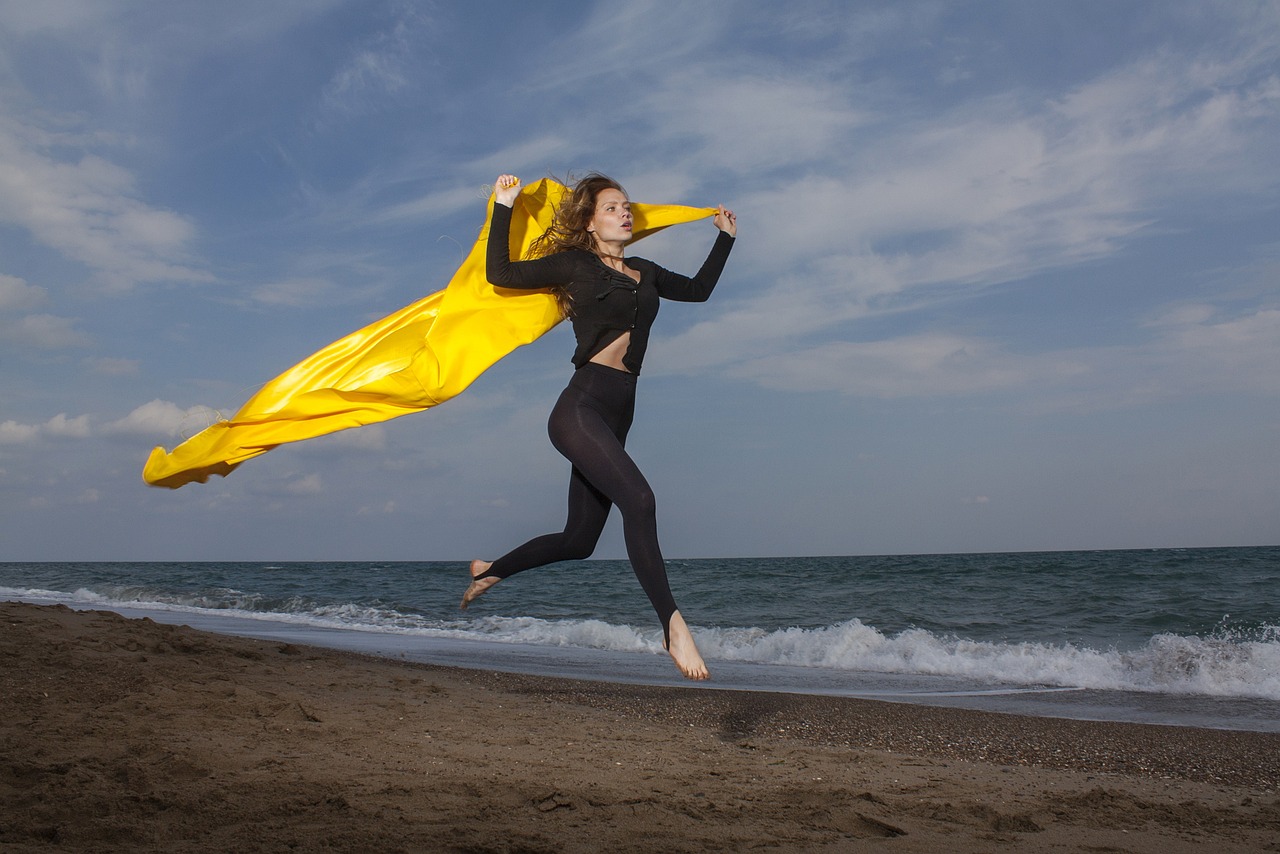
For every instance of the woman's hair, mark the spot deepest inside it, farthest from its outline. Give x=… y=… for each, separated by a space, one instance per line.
x=568 y=228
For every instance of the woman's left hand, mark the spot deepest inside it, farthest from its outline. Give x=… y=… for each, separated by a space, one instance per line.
x=727 y=221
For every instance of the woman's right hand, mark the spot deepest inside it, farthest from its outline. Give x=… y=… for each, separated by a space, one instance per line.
x=505 y=190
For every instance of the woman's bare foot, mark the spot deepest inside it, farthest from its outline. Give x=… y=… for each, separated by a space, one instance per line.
x=684 y=652
x=478 y=567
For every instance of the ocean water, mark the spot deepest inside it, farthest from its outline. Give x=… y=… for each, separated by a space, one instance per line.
x=1185 y=636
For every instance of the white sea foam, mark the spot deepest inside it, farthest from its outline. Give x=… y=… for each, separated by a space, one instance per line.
x=1170 y=664
x=1167 y=663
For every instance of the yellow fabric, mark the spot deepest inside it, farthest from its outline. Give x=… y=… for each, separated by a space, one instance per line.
x=422 y=355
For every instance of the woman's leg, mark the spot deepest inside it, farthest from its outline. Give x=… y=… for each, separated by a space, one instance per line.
x=586 y=438
x=589 y=426
x=600 y=455
x=587 y=512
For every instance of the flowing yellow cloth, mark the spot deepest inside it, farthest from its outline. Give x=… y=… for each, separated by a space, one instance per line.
x=422 y=355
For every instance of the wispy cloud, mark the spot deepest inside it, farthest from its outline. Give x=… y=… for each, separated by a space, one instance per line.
x=991 y=191
x=1192 y=350
x=1210 y=352
x=379 y=67
x=911 y=366
x=751 y=124
x=44 y=332
x=305 y=293
x=56 y=186
x=56 y=15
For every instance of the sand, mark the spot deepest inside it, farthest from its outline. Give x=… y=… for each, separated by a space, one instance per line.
x=128 y=735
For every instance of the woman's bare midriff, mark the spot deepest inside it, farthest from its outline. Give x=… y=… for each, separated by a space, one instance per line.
x=611 y=356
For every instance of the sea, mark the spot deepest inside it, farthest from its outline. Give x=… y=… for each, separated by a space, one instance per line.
x=1181 y=637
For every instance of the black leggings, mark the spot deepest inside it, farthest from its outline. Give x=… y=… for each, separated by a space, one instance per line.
x=589 y=426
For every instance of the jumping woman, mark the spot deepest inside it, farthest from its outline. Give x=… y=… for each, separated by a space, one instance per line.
x=612 y=301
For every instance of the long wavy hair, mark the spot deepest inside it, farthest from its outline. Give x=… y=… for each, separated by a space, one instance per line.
x=568 y=228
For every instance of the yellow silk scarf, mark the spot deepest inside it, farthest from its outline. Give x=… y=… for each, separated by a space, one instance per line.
x=422 y=355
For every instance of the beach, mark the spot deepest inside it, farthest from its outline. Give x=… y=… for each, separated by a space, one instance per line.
x=130 y=735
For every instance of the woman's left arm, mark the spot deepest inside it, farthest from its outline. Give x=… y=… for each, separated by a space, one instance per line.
x=674 y=286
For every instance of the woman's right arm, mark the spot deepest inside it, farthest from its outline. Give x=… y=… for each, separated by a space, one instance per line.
x=500 y=270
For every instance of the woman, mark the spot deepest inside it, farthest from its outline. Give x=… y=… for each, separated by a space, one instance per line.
x=612 y=301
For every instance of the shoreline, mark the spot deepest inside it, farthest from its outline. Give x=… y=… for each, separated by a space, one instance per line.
x=1239 y=713
x=127 y=734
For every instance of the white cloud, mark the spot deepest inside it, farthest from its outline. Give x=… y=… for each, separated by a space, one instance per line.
x=61 y=425
x=386 y=509
x=308 y=485
x=1216 y=354
x=162 y=418
x=17 y=295
x=45 y=332
x=71 y=199
x=14 y=433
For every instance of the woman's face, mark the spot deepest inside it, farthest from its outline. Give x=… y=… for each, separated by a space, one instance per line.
x=612 y=220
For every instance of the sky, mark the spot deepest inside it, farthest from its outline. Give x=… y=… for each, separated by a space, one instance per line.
x=1007 y=275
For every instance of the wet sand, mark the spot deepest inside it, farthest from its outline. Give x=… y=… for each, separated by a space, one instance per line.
x=128 y=735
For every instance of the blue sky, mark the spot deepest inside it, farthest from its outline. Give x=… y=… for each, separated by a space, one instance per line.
x=1007 y=277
